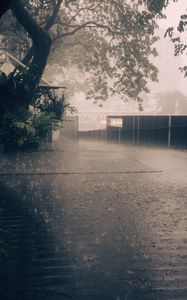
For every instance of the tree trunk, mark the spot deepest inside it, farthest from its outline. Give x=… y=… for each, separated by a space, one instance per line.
x=20 y=89
x=46 y=27
x=41 y=45
x=4 y=6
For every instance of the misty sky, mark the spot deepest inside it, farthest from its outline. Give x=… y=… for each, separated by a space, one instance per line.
x=169 y=76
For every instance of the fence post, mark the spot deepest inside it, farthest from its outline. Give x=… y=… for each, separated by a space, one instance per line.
x=133 y=129
x=119 y=135
x=169 y=132
x=138 y=137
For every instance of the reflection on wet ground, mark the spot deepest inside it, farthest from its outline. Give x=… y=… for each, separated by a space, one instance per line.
x=94 y=221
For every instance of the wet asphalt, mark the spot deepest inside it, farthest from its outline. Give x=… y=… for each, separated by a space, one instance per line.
x=91 y=220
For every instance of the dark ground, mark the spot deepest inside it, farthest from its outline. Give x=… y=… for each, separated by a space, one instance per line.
x=93 y=221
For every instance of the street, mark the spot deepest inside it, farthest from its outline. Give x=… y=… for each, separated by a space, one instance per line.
x=92 y=220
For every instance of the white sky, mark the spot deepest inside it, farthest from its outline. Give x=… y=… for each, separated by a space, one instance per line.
x=173 y=12
x=170 y=77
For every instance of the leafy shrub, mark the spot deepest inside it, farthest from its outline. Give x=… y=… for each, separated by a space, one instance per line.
x=27 y=127
x=21 y=125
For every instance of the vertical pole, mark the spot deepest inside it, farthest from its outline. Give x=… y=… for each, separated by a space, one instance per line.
x=119 y=135
x=77 y=125
x=106 y=132
x=133 y=129
x=138 y=137
x=169 y=131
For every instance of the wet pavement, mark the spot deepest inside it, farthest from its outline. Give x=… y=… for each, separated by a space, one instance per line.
x=93 y=221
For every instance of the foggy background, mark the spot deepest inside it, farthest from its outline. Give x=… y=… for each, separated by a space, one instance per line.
x=167 y=97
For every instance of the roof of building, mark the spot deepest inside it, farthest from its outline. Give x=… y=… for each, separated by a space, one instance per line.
x=8 y=67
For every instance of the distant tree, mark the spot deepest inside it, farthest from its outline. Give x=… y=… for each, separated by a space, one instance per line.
x=173 y=102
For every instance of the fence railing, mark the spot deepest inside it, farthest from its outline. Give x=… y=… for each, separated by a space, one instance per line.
x=99 y=134
x=168 y=131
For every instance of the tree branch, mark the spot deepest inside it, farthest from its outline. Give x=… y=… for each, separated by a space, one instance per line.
x=89 y=24
x=51 y=20
x=91 y=8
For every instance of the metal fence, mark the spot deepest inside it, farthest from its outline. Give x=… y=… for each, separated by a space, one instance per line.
x=99 y=134
x=155 y=130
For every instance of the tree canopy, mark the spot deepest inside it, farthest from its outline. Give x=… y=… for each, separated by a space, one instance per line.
x=110 y=41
